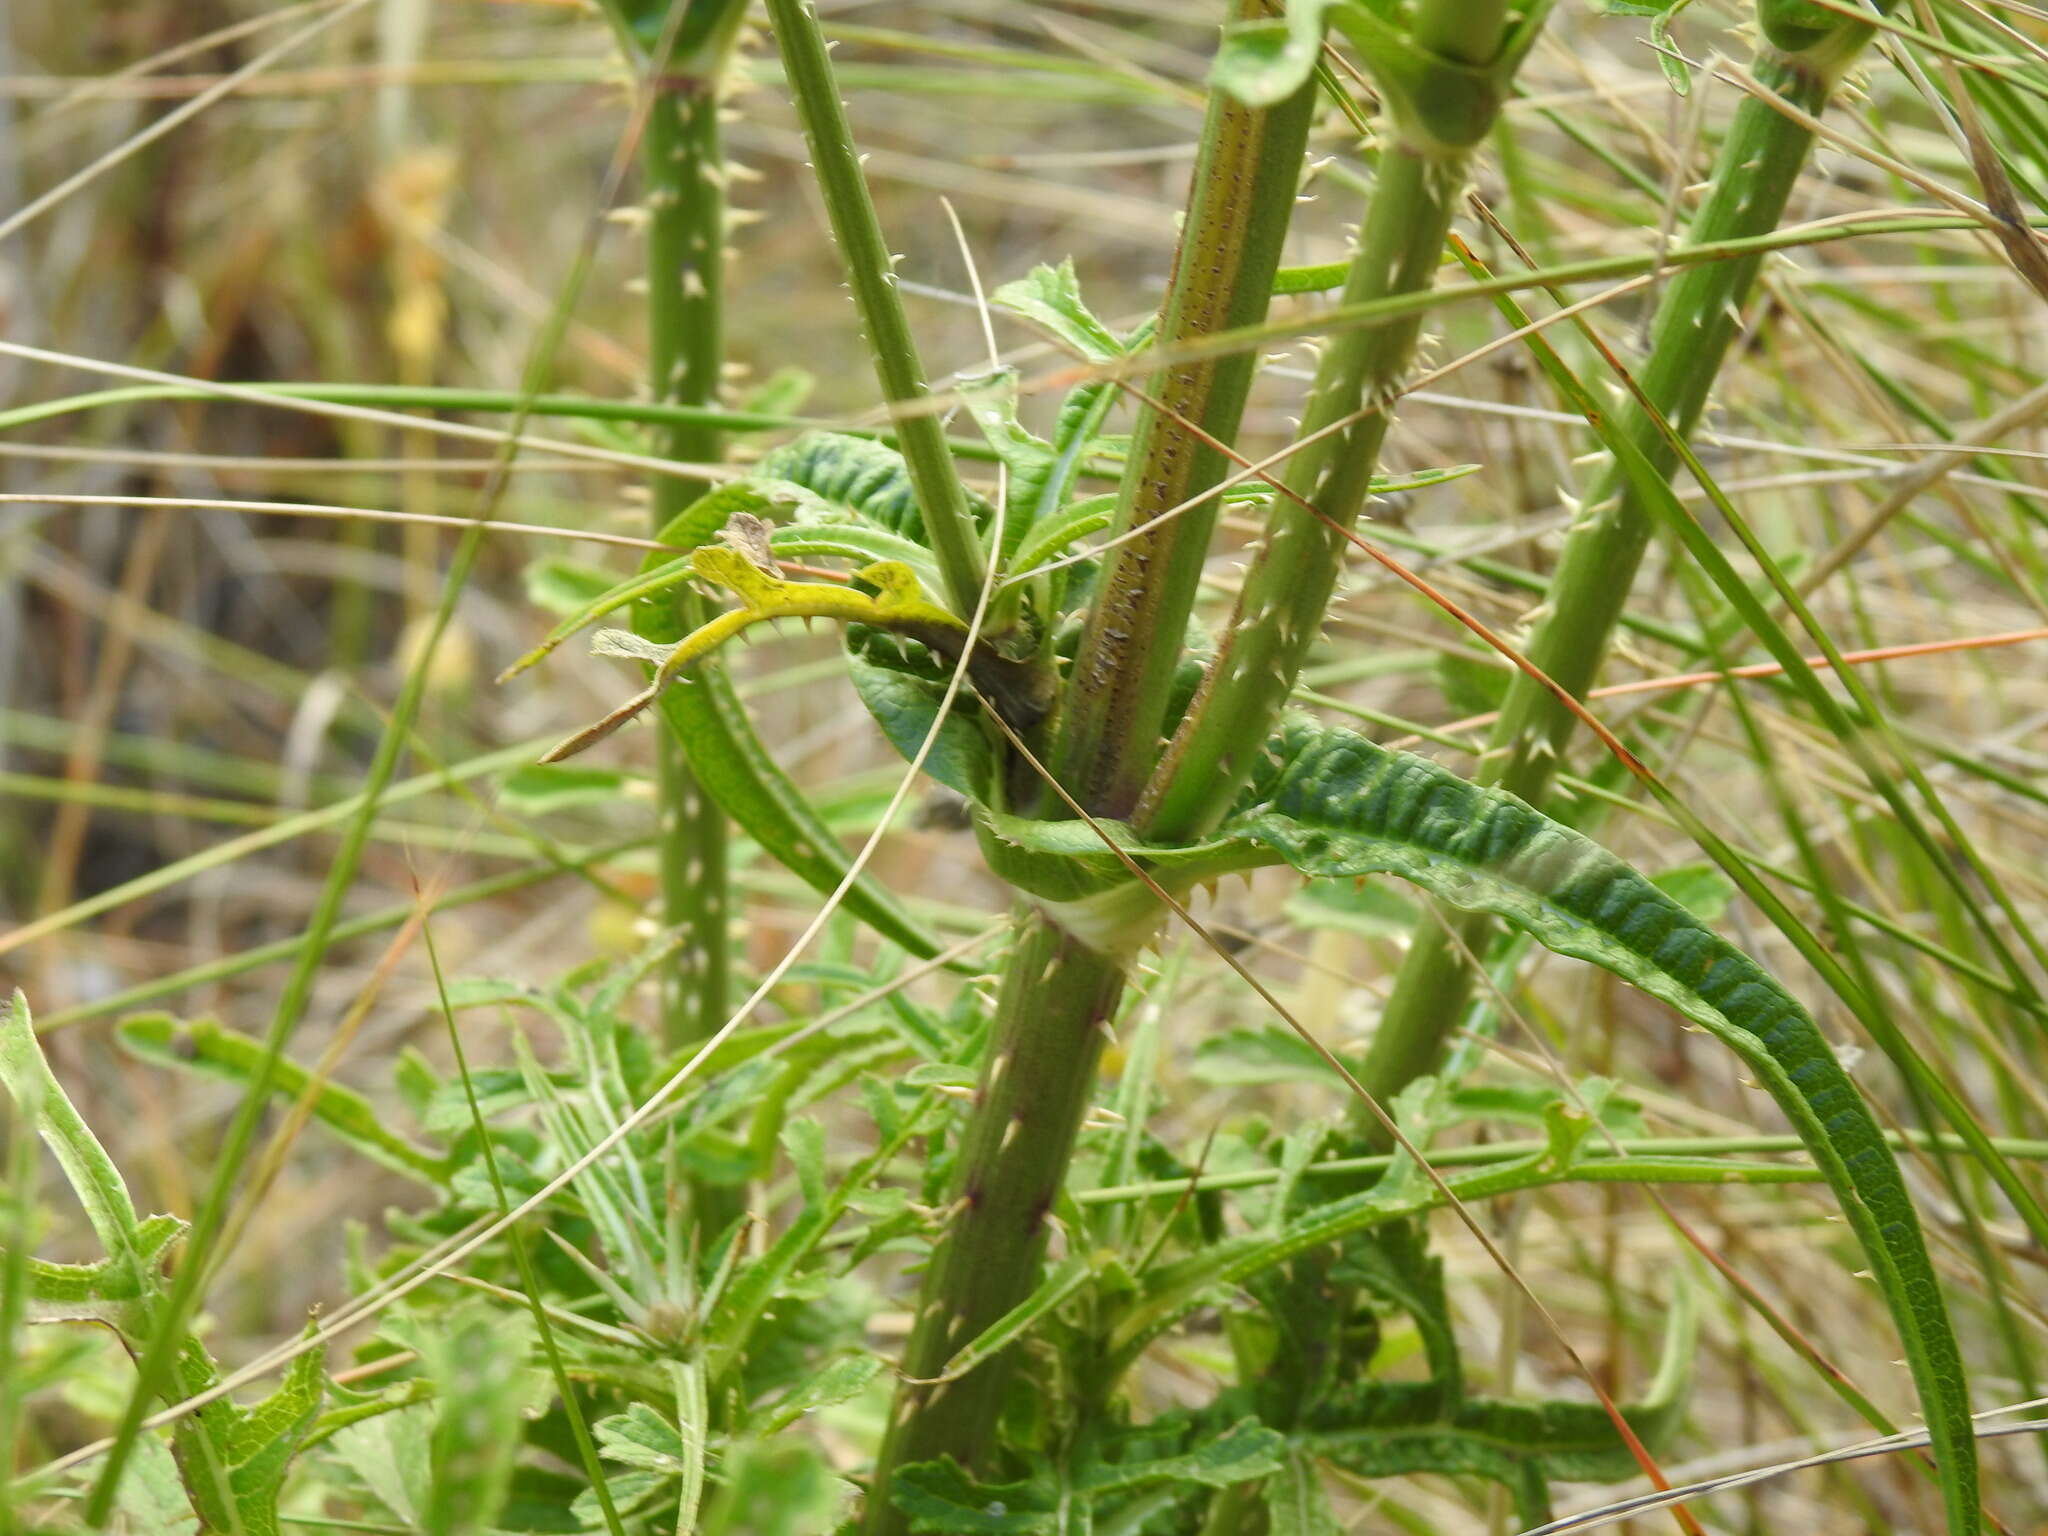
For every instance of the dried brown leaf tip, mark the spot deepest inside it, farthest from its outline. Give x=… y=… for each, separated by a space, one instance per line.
x=748 y=534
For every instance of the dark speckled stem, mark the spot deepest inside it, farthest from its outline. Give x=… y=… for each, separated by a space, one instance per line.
x=1051 y=1018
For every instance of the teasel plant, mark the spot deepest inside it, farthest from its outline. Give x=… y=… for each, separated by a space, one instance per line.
x=1021 y=610
x=1116 y=758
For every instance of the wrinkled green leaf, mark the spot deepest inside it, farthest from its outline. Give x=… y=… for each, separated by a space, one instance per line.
x=1331 y=803
x=867 y=477
x=906 y=706
x=1244 y=1451
x=939 y=1497
x=641 y=1437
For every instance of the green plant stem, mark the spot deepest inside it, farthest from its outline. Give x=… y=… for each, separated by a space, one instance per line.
x=1051 y=1018
x=1224 y=269
x=1697 y=320
x=683 y=165
x=1707 y=1158
x=1058 y=994
x=1280 y=611
x=871 y=274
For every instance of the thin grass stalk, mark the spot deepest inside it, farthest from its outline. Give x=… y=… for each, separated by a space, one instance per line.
x=156 y=1365
x=1235 y=225
x=1697 y=321
x=871 y=274
x=1293 y=576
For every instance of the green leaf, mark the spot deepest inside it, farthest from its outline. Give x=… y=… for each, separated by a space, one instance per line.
x=991 y=400
x=939 y=1497
x=1060 y=1285
x=841 y=538
x=1495 y=1441
x=91 y=1173
x=840 y=1381
x=203 y=1045
x=631 y=1492
x=477 y=1358
x=565 y=587
x=865 y=477
x=1395 y=1265
x=266 y=1437
x=1051 y=298
x=1419 y=479
x=537 y=789
x=1391 y=1429
x=1064 y=861
x=641 y=1437
x=1242 y=1452
x=1329 y=802
x=388 y=1453
x=1262 y=63
x=151 y=1499
x=905 y=706
x=1295 y=1502
x=1676 y=71
x=1051 y=538
x=705 y=715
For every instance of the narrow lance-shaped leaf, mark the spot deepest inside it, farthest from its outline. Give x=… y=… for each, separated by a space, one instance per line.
x=1329 y=802
x=203 y=1045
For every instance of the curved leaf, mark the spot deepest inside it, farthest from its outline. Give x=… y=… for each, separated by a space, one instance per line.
x=991 y=399
x=1391 y=1429
x=705 y=715
x=690 y=529
x=846 y=539
x=1329 y=802
x=1061 y=861
x=1051 y=297
x=905 y=706
x=1264 y=62
x=1049 y=539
